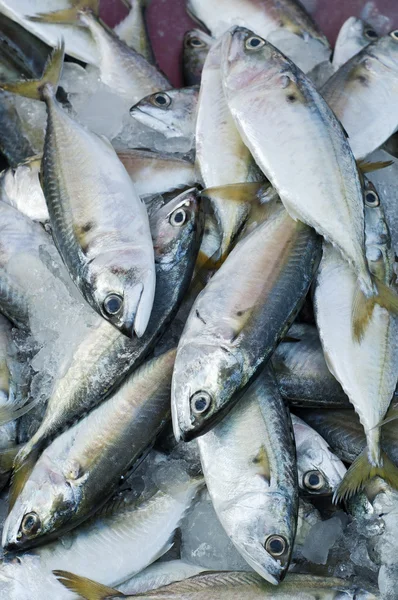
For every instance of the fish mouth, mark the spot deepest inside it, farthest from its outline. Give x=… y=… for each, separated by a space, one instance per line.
x=149 y=120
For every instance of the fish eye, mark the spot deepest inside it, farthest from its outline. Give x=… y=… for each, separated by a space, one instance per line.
x=195 y=42
x=112 y=304
x=254 y=43
x=372 y=199
x=30 y=524
x=314 y=480
x=371 y=34
x=161 y=100
x=178 y=217
x=394 y=35
x=200 y=402
x=276 y=545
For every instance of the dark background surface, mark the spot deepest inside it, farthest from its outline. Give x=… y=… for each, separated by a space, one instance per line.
x=167 y=22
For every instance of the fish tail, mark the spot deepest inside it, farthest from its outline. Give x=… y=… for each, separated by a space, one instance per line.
x=24 y=462
x=370 y=167
x=67 y=16
x=86 y=588
x=34 y=88
x=362 y=470
x=364 y=304
x=11 y=411
x=7 y=457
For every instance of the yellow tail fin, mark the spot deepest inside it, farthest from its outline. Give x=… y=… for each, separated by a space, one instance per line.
x=370 y=167
x=362 y=471
x=33 y=88
x=86 y=588
x=363 y=307
x=68 y=16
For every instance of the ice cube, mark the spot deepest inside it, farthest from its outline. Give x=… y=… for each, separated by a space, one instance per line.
x=204 y=541
x=320 y=540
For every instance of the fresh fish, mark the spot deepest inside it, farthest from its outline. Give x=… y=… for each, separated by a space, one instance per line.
x=196 y=46
x=141 y=528
x=121 y=68
x=367 y=81
x=87 y=461
x=302 y=373
x=104 y=355
x=133 y=31
x=367 y=368
x=109 y=254
x=285 y=23
x=159 y=575
x=248 y=460
x=22 y=54
x=319 y=471
x=221 y=156
x=228 y=586
x=238 y=319
x=78 y=42
x=172 y=113
x=342 y=430
x=285 y=121
x=354 y=35
x=20 y=187
x=157 y=173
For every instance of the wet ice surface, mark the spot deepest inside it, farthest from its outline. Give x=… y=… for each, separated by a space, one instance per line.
x=204 y=541
x=322 y=537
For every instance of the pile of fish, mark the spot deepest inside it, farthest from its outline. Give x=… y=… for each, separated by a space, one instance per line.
x=199 y=307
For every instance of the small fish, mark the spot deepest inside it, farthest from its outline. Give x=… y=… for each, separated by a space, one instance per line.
x=87 y=461
x=172 y=113
x=196 y=46
x=156 y=172
x=159 y=575
x=367 y=369
x=20 y=187
x=140 y=526
x=121 y=67
x=302 y=373
x=109 y=254
x=249 y=465
x=104 y=356
x=238 y=319
x=227 y=586
x=359 y=88
x=354 y=35
x=133 y=30
x=319 y=471
x=285 y=121
x=284 y=22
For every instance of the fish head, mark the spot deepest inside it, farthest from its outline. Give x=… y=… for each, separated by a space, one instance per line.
x=44 y=505
x=262 y=527
x=386 y=50
x=205 y=378
x=358 y=30
x=174 y=226
x=379 y=253
x=196 y=46
x=248 y=60
x=171 y=113
x=121 y=290
x=319 y=470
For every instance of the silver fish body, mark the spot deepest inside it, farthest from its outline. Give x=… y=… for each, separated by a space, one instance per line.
x=284 y=121
x=357 y=90
x=157 y=173
x=302 y=373
x=319 y=471
x=104 y=355
x=354 y=35
x=196 y=46
x=108 y=253
x=230 y=331
x=248 y=461
x=285 y=24
x=87 y=461
x=171 y=112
